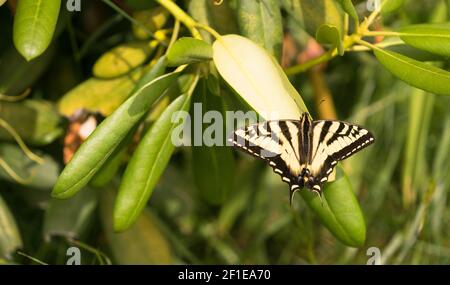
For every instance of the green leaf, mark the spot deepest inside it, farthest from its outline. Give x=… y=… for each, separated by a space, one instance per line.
x=414 y=53
x=261 y=22
x=99 y=95
x=147 y=164
x=212 y=164
x=415 y=73
x=14 y=81
x=112 y=165
x=256 y=77
x=142 y=243
x=36 y=121
x=37 y=176
x=329 y=34
x=188 y=50
x=261 y=82
x=348 y=7
x=219 y=17
x=99 y=146
x=152 y=20
x=10 y=239
x=389 y=6
x=434 y=38
x=70 y=218
x=34 y=26
x=311 y=14
x=340 y=211
x=121 y=60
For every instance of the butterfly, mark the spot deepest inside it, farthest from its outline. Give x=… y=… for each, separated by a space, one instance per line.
x=303 y=152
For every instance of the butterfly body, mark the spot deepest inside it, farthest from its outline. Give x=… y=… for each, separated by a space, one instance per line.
x=303 y=152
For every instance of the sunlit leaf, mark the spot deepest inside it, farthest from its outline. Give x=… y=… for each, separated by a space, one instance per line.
x=434 y=38
x=121 y=60
x=34 y=26
x=415 y=73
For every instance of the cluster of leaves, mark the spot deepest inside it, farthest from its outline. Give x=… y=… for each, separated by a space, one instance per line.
x=208 y=205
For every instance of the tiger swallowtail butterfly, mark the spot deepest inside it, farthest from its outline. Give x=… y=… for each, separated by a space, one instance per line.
x=303 y=152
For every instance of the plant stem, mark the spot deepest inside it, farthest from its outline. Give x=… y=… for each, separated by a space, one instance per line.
x=380 y=33
x=181 y=16
x=9 y=98
x=12 y=173
x=310 y=63
x=176 y=30
x=20 y=142
x=367 y=44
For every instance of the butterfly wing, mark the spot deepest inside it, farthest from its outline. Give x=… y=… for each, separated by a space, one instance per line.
x=276 y=142
x=333 y=141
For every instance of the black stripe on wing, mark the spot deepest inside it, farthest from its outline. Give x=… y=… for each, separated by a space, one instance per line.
x=259 y=140
x=338 y=140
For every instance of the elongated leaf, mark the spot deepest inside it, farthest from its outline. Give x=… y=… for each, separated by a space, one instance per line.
x=146 y=165
x=94 y=152
x=329 y=34
x=311 y=14
x=434 y=38
x=37 y=176
x=389 y=6
x=36 y=121
x=255 y=76
x=34 y=26
x=142 y=243
x=261 y=22
x=212 y=162
x=152 y=20
x=415 y=73
x=340 y=211
x=414 y=53
x=10 y=239
x=98 y=95
x=188 y=50
x=111 y=166
x=262 y=83
x=70 y=218
x=348 y=7
x=14 y=81
x=121 y=60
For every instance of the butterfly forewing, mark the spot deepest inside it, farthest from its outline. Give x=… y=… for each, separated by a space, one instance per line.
x=276 y=142
x=333 y=141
